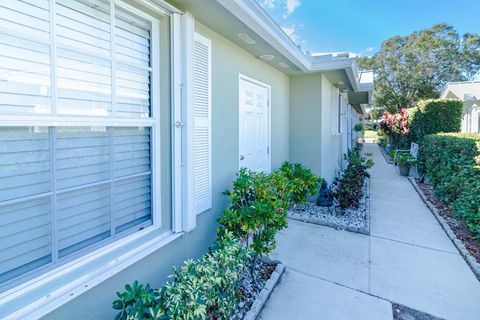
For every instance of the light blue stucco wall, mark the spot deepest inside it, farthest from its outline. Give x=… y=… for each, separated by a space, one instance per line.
x=306 y=121
x=312 y=141
x=331 y=142
x=228 y=60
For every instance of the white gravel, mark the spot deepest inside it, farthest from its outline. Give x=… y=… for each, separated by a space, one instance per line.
x=355 y=220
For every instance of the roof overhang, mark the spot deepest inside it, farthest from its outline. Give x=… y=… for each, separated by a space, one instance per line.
x=231 y=17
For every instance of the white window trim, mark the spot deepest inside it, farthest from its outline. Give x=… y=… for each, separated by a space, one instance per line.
x=43 y=294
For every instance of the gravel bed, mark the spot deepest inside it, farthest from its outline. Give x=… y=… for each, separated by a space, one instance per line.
x=404 y=313
x=354 y=220
x=251 y=284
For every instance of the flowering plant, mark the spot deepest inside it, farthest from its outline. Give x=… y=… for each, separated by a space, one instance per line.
x=395 y=126
x=396 y=123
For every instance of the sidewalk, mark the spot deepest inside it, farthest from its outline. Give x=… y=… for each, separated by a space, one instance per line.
x=407 y=259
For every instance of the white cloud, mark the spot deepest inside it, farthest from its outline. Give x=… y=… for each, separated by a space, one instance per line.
x=287 y=7
x=291 y=6
x=290 y=30
x=270 y=4
x=368 y=51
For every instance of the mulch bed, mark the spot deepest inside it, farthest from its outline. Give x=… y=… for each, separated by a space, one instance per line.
x=459 y=227
x=404 y=313
x=251 y=285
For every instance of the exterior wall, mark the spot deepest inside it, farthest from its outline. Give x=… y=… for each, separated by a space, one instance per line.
x=312 y=141
x=331 y=152
x=306 y=121
x=471 y=117
x=228 y=60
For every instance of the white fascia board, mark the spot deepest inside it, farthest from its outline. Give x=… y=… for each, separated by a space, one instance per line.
x=349 y=65
x=252 y=15
x=445 y=91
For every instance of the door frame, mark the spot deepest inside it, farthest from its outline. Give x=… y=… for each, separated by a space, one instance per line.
x=244 y=77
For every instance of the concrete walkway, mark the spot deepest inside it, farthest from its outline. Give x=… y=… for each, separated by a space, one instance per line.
x=407 y=259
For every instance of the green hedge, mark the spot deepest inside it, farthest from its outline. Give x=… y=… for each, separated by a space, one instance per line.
x=452 y=163
x=434 y=116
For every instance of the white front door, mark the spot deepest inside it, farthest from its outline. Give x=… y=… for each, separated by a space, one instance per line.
x=254 y=135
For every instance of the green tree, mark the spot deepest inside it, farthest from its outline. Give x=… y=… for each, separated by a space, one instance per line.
x=415 y=67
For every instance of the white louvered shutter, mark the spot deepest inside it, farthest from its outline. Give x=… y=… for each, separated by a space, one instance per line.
x=202 y=135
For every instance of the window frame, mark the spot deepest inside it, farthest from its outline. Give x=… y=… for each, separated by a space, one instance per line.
x=53 y=120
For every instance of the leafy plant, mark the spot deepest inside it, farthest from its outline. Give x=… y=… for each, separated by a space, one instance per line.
x=201 y=289
x=259 y=203
x=258 y=209
x=136 y=302
x=395 y=126
x=452 y=163
x=358 y=127
x=405 y=158
x=348 y=189
x=302 y=181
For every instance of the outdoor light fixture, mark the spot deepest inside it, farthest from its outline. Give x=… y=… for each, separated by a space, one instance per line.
x=267 y=57
x=283 y=65
x=245 y=37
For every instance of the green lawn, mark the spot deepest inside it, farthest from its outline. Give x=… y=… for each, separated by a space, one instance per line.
x=371 y=134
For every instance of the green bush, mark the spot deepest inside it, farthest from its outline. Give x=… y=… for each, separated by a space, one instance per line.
x=452 y=163
x=434 y=116
x=259 y=203
x=203 y=289
x=258 y=209
x=348 y=189
x=303 y=182
x=358 y=127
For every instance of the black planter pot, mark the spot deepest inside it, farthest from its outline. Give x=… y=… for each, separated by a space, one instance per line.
x=404 y=170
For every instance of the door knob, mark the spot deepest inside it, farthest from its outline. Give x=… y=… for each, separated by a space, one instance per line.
x=242 y=157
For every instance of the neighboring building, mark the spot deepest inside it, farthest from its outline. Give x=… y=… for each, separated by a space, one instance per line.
x=122 y=122
x=469 y=93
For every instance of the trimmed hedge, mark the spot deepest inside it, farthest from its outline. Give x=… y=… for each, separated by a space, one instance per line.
x=452 y=163
x=434 y=116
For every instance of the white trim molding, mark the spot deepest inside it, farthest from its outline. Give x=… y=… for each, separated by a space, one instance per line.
x=40 y=296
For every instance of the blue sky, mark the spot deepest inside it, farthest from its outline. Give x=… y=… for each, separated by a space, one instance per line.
x=361 y=25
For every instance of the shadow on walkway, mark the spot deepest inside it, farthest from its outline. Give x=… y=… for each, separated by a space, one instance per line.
x=407 y=259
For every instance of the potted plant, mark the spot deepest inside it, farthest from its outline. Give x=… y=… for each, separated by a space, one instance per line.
x=404 y=161
x=358 y=127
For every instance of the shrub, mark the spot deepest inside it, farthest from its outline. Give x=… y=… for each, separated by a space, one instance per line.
x=434 y=116
x=302 y=181
x=358 y=127
x=203 y=289
x=395 y=126
x=259 y=203
x=348 y=189
x=452 y=162
x=258 y=209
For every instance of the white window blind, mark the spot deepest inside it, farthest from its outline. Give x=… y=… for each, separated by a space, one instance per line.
x=67 y=187
x=202 y=124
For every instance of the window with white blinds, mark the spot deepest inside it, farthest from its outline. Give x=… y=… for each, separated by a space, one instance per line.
x=202 y=123
x=81 y=172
